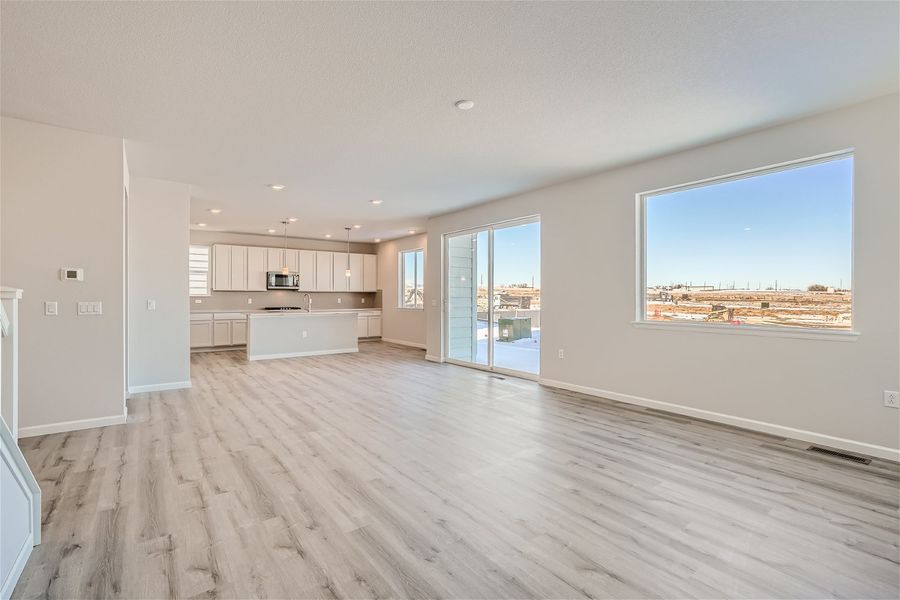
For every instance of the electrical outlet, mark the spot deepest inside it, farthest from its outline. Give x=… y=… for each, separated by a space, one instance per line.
x=363 y=300
x=249 y=300
x=892 y=399
x=339 y=299
x=198 y=301
x=151 y=304
x=304 y=333
x=562 y=353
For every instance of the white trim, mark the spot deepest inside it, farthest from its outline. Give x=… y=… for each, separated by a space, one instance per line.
x=404 y=343
x=433 y=358
x=63 y=426
x=760 y=330
x=742 y=422
x=641 y=226
x=306 y=353
x=159 y=387
x=18 y=566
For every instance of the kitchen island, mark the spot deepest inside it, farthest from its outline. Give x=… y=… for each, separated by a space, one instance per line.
x=294 y=333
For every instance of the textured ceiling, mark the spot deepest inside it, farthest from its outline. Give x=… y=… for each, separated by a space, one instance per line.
x=346 y=102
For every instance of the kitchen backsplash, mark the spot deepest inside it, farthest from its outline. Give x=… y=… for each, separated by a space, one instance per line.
x=238 y=300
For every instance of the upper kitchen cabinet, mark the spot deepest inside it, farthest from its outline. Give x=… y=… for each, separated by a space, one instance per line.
x=341 y=281
x=229 y=268
x=356 y=273
x=370 y=272
x=307 y=270
x=256 y=269
x=274 y=259
x=324 y=265
x=292 y=260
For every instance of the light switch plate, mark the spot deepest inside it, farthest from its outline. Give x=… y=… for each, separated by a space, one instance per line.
x=50 y=309
x=151 y=304
x=892 y=399
x=90 y=308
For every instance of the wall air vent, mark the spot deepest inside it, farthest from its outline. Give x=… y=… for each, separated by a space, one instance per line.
x=842 y=455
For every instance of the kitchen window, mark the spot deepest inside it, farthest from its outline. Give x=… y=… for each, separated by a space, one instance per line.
x=412 y=279
x=766 y=250
x=198 y=271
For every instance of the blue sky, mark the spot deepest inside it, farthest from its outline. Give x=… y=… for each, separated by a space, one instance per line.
x=792 y=226
x=517 y=255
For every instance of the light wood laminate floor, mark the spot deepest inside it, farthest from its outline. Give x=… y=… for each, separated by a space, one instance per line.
x=381 y=475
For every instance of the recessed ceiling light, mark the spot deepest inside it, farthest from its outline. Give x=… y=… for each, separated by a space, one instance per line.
x=357 y=226
x=270 y=230
x=328 y=235
x=276 y=186
x=215 y=211
x=377 y=240
x=201 y=224
x=292 y=219
x=375 y=202
x=411 y=231
x=465 y=104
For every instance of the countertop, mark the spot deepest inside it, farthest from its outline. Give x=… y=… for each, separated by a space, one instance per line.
x=259 y=311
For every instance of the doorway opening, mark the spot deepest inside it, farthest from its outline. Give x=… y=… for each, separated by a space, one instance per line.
x=492 y=304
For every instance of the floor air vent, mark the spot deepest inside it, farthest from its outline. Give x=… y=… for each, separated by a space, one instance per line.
x=852 y=458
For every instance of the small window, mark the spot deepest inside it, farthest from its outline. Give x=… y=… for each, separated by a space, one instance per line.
x=412 y=279
x=198 y=270
x=767 y=248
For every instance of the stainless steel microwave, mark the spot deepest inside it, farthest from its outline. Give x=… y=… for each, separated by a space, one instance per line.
x=276 y=280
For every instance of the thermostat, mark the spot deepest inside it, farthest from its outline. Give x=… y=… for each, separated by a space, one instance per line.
x=69 y=274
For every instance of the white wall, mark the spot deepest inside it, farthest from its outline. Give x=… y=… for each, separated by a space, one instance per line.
x=827 y=388
x=62 y=205
x=400 y=324
x=158 y=239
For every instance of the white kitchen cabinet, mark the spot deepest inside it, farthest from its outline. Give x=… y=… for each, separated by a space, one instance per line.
x=356 y=273
x=274 y=259
x=256 y=269
x=370 y=272
x=340 y=283
x=201 y=334
x=374 y=326
x=221 y=333
x=324 y=273
x=292 y=259
x=238 y=332
x=306 y=262
x=239 y=268
x=362 y=327
x=221 y=268
x=368 y=325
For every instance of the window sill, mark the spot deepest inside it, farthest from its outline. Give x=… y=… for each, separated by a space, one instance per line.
x=803 y=334
x=410 y=308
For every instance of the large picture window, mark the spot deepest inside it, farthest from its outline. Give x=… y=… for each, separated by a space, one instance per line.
x=412 y=279
x=771 y=248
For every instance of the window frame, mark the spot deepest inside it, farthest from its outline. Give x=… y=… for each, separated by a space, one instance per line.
x=208 y=291
x=640 y=306
x=401 y=270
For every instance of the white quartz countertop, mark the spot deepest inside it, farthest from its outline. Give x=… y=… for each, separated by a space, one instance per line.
x=259 y=311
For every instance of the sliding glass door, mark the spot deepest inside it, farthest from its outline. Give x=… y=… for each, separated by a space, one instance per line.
x=493 y=298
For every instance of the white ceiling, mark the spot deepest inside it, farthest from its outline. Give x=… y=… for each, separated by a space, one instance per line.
x=346 y=102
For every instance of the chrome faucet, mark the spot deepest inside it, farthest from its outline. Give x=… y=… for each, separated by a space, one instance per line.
x=308 y=299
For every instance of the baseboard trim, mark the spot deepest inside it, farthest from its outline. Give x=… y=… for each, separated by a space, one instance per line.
x=159 y=387
x=404 y=343
x=63 y=426
x=742 y=422
x=296 y=354
x=432 y=358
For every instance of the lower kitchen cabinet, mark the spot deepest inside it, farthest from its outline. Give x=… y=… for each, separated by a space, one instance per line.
x=368 y=326
x=222 y=333
x=201 y=334
x=221 y=329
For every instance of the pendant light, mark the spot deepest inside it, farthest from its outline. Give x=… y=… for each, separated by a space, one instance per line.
x=347 y=272
x=284 y=268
